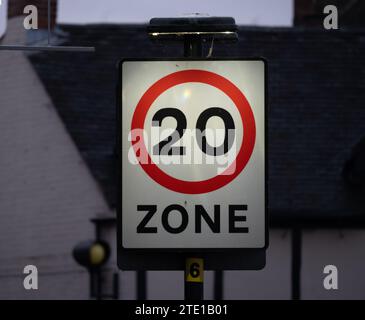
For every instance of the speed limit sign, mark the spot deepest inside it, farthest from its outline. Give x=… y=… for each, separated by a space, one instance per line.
x=192 y=154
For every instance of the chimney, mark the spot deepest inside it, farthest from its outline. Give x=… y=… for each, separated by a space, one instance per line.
x=306 y=13
x=16 y=8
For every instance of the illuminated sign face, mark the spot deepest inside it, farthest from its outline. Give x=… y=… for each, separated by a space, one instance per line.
x=192 y=148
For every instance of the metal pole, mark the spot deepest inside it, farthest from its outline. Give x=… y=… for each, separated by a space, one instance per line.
x=116 y=286
x=218 y=285
x=296 y=261
x=49 y=22
x=194 y=279
x=194 y=267
x=92 y=284
x=193 y=46
x=141 y=285
x=99 y=295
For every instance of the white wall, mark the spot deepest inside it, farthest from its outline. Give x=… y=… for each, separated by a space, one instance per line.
x=47 y=194
x=248 y=12
x=342 y=248
x=3 y=16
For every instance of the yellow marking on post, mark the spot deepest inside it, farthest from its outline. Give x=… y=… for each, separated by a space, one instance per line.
x=194 y=270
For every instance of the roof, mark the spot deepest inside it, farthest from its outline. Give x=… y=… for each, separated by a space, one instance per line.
x=315 y=98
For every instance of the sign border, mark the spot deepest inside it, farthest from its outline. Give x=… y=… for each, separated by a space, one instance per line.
x=168 y=258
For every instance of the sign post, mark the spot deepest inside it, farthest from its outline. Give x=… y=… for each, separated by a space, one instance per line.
x=194 y=279
x=194 y=267
x=192 y=165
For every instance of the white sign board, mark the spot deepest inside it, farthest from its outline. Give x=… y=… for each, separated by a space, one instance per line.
x=193 y=154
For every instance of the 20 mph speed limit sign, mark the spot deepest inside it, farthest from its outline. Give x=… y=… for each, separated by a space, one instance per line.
x=192 y=154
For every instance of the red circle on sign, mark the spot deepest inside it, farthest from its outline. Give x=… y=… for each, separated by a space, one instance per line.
x=247 y=117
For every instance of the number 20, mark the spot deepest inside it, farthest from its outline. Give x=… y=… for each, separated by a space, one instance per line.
x=165 y=146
